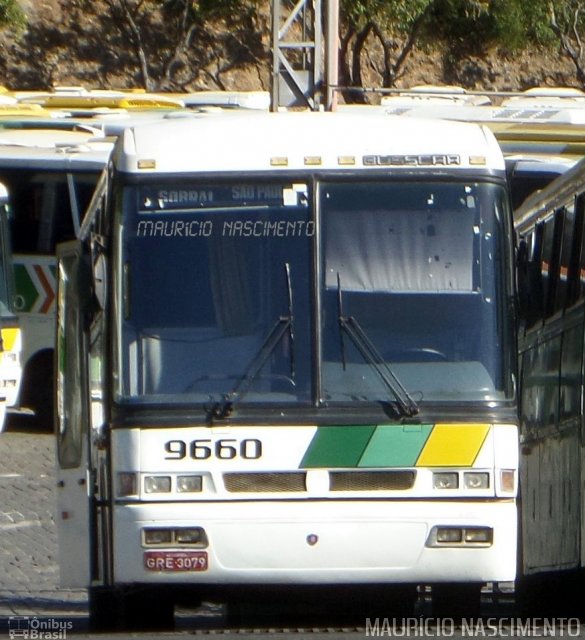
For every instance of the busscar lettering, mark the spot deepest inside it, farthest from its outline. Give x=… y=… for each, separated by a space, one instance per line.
x=430 y=160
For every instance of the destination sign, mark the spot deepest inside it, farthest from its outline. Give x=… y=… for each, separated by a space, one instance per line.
x=184 y=197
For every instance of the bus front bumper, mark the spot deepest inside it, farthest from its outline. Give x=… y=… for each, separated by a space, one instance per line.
x=317 y=542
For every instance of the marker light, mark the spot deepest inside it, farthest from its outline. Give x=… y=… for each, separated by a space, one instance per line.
x=188 y=484
x=476 y=480
x=508 y=480
x=445 y=480
x=127 y=484
x=157 y=484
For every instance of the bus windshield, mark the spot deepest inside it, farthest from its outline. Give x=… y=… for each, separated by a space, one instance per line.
x=243 y=293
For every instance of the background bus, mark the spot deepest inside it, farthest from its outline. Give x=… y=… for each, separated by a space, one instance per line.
x=550 y=227
x=50 y=176
x=10 y=334
x=286 y=359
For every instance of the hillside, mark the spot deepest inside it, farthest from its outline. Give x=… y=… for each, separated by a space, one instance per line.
x=66 y=46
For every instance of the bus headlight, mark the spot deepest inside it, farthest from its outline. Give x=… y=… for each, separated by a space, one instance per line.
x=449 y=535
x=158 y=536
x=157 y=484
x=189 y=536
x=188 y=484
x=445 y=480
x=476 y=480
x=478 y=535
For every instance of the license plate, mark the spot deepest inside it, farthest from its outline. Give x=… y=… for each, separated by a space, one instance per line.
x=175 y=560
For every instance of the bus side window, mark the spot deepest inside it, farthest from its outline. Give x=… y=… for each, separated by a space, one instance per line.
x=532 y=282
x=549 y=264
x=566 y=242
x=577 y=272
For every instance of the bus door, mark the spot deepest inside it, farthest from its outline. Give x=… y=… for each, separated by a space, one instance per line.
x=75 y=487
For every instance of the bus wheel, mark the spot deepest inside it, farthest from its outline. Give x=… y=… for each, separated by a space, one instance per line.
x=148 y=609
x=139 y=609
x=456 y=600
x=104 y=609
x=37 y=393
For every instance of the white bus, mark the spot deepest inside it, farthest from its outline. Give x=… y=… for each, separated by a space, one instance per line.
x=286 y=360
x=50 y=176
x=550 y=227
x=10 y=334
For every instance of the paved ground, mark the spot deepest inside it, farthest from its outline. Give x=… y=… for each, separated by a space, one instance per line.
x=29 y=570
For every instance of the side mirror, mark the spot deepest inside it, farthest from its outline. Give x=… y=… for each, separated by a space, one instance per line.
x=99 y=271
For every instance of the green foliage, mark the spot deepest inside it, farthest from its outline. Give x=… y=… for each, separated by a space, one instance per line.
x=11 y=15
x=395 y=15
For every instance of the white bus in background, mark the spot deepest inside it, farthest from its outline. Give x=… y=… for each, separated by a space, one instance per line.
x=50 y=176
x=10 y=334
x=286 y=365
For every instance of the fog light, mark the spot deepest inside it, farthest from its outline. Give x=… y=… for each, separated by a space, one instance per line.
x=127 y=484
x=445 y=480
x=158 y=536
x=479 y=535
x=448 y=535
x=189 y=536
x=188 y=484
x=157 y=484
x=476 y=480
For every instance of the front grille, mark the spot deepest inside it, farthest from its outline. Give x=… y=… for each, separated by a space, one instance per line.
x=371 y=480
x=265 y=482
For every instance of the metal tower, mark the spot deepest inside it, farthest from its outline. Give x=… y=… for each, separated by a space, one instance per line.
x=304 y=53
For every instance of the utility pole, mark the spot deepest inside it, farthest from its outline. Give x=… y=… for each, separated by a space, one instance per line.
x=304 y=53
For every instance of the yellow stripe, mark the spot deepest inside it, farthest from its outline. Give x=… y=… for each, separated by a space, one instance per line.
x=453 y=445
x=9 y=337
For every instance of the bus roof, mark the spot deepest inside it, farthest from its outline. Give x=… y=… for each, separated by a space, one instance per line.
x=47 y=138
x=262 y=141
x=545 y=201
x=87 y=156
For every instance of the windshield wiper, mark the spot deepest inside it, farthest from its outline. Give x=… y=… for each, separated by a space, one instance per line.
x=348 y=324
x=283 y=325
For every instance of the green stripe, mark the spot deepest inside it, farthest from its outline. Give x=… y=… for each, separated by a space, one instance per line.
x=337 y=446
x=395 y=445
x=25 y=288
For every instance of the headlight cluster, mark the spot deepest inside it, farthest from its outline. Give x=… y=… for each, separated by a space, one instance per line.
x=446 y=536
x=451 y=480
x=174 y=536
x=128 y=484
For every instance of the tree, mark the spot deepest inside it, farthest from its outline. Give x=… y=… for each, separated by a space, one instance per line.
x=391 y=26
x=11 y=15
x=171 y=44
x=567 y=22
x=397 y=27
